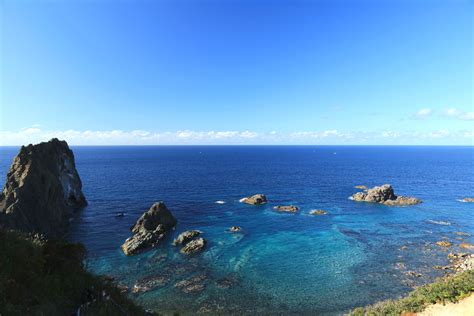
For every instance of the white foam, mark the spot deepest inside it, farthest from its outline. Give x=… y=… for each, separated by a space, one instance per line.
x=242 y=200
x=351 y=198
x=439 y=222
x=461 y=200
x=220 y=202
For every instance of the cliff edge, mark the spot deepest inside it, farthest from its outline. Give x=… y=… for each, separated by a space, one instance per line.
x=42 y=190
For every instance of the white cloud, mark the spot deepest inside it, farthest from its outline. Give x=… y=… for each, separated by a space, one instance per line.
x=188 y=137
x=458 y=114
x=423 y=113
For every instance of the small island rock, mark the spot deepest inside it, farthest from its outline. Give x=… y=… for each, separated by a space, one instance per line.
x=444 y=243
x=469 y=200
x=384 y=195
x=286 y=208
x=256 y=199
x=235 y=229
x=194 y=246
x=186 y=237
x=149 y=229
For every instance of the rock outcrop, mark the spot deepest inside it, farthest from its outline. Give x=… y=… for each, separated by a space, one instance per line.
x=385 y=195
x=469 y=200
x=318 y=212
x=42 y=191
x=186 y=237
x=235 y=229
x=286 y=208
x=256 y=199
x=194 y=246
x=149 y=229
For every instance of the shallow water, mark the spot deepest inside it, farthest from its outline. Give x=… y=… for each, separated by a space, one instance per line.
x=279 y=263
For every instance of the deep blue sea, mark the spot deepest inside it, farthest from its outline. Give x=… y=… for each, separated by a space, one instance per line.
x=279 y=263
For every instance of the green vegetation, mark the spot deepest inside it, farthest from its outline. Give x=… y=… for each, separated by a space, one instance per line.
x=448 y=289
x=39 y=277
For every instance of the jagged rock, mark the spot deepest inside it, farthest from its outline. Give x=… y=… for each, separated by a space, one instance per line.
x=444 y=243
x=42 y=191
x=149 y=229
x=194 y=246
x=256 y=199
x=385 y=195
x=470 y=200
x=186 y=237
x=286 y=208
x=318 y=212
x=235 y=229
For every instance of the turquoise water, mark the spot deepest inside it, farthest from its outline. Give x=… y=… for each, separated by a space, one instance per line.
x=279 y=263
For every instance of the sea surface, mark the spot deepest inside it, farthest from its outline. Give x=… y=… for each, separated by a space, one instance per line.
x=279 y=263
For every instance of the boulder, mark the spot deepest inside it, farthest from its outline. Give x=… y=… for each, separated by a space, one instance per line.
x=186 y=237
x=444 y=243
x=286 y=208
x=149 y=229
x=256 y=199
x=42 y=191
x=194 y=246
x=384 y=195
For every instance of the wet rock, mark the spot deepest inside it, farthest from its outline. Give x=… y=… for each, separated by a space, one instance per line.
x=384 y=195
x=470 y=200
x=227 y=282
x=149 y=229
x=361 y=187
x=442 y=267
x=318 y=212
x=444 y=243
x=194 y=246
x=413 y=274
x=42 y=191
x=122 y=288
x=186 y=237
x=120 y=214
x=235 y=229
x=256 y=199
x=286 y=208
x=462 y=234
x=403 y=247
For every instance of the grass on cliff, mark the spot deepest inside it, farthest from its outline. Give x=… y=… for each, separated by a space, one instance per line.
x=448 y=289
x=48 y=278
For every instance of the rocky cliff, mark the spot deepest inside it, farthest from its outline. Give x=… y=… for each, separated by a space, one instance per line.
x=42 y=190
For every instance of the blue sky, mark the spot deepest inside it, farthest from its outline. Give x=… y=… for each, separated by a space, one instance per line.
x=225 y=72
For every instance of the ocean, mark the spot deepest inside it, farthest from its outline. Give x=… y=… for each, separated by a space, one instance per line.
x=359 y=253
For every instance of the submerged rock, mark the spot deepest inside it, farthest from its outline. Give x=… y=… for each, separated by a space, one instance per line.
x=256 y=199
x=466 y=245
x=444 y=243
x=286 y=208
x=150 y=283
x=192 y=285
x=42 y=191
x=385 y=195
x=361 y=187
x=149 y=229
x=470 y=200
x=194 y=246
x=318 y=212
x=186 y=237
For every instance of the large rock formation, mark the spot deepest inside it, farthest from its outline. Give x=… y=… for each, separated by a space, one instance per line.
x=42 y=191
x=149 y=229
x=385 y=195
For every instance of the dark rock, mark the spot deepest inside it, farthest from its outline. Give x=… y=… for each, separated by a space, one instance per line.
x=286 y=208
x=149 y=229
x=42 y=191
x=193 y=285
x=186 y=237
x=384 y=195
x=150 y=283
x=256 y=199
x=120 y=214
x=194 y=246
